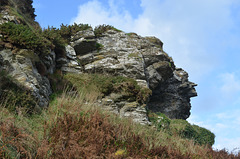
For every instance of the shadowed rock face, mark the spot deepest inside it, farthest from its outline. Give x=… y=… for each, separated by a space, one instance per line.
x=172 y=96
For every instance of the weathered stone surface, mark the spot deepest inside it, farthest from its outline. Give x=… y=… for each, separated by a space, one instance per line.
x=172 y=96
x=50 y=62
x=23 y=70
x=70 y=63
x=6 y=17
x=70 y=52
x=143 y=59
x=87 y=34
x=119 y=105
x=157 y=42
x=84 y=42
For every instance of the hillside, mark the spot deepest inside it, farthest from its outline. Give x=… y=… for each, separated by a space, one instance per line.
x=83 y=92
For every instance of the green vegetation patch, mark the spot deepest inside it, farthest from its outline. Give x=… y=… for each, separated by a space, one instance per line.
x=99 y=30
x=66 y=31
x=59 y=43
x=160 y=120
x=132 y=34
x=200 y=135
x=99 y=46
x=22 y=36
x=106 y=85
x=13 y=96
x=182 y=128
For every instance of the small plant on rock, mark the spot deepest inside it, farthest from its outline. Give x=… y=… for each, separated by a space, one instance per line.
x=99 y=30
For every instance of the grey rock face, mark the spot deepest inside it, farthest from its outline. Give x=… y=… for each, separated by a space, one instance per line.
x=143 y=59
x=70 y=63
x=6 y=17
x=22 y=68
x=172 y=96
x=84 y=41
x=50 y=62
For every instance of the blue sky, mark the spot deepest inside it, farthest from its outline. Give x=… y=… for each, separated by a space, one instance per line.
x=202 y=36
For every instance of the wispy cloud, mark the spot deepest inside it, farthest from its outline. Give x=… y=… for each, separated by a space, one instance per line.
x=190 y=29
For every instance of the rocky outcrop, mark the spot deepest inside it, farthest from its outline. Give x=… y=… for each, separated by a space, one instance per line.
x=22 y=67
x=111 y=52
x=172 y=96
x=143 y=59
x=6 y=17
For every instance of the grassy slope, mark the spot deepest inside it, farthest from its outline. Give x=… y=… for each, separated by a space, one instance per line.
x=72 y=127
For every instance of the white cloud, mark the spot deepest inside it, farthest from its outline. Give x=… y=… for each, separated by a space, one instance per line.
x=95 y=13
x=189 y=29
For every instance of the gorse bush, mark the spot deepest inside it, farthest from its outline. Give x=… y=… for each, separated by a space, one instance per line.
x=22 y=36
x=66 y=31
x=203 y=136
x=99 y=30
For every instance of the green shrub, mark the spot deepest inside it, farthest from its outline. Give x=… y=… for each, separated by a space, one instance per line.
x=99 y=30
x=200 y=135
x=53 y=35
x=22 y=36
x=131 y=34
x=204 y=136
x=66 y=31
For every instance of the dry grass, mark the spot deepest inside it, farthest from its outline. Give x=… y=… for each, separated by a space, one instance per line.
x=73 y=127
